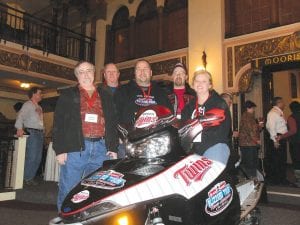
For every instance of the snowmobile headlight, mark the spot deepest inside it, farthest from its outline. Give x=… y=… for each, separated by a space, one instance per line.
x=156 y=145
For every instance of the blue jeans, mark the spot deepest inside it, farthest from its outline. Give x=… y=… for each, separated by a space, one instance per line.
x=78 y=165
x=219 y=152
x=33 y=155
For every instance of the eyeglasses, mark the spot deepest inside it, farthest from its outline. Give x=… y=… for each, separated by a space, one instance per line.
x=81 y=72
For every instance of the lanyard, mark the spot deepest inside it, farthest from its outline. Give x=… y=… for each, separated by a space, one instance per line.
x=144 y=93
x=91 y=100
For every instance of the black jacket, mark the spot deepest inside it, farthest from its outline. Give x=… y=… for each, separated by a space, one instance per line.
x=107 y=88
x=129 y=99
x=210 y=135
x=67 y=128
x=188 y=95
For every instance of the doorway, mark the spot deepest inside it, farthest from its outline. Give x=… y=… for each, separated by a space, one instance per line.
x=278 y=80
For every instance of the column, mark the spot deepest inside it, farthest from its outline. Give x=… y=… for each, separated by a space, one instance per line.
x=100 y=47
x=206 y=33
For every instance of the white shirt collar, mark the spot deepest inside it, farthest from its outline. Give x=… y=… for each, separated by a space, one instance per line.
x=278 y=109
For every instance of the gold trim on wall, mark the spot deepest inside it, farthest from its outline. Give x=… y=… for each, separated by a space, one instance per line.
x=261 y=49
x=246 y=81
x=26 y=63
x=259 y=53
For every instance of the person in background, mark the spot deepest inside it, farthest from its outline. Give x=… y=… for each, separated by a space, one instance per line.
x=30 y=121
x=276 y=126
x=84 y=129
x=249 y=139
x=18 y=106
x=213 y=141
x=139 y=93
x=180 y=93
x=293 y=135
x=111 y=75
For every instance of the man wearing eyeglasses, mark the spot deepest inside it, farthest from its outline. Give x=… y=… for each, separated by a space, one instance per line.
x=139 y=93
x=84 y=130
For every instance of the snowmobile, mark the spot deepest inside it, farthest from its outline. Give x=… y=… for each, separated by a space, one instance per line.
x=161 y=182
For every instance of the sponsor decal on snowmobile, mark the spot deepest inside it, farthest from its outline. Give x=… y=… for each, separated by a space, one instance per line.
x=163 y=183
x=147 y=118
x=219 y=198
x=109 y=179
x=81 y=196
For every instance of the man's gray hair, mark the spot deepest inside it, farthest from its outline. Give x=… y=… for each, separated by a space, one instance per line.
x=81 y=62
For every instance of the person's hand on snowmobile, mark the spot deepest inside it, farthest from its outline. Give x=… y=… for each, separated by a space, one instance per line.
x=112 y=155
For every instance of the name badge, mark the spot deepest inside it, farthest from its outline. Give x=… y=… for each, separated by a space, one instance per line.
x=91 y=118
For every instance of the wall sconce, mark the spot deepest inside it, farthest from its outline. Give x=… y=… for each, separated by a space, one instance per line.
x=25 y=85
x=204 y=60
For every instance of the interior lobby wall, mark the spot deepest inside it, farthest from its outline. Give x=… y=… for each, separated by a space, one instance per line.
x=7 y=108
x=205 y=29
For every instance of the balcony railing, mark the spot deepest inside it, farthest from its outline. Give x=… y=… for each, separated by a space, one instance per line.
x=32 y=32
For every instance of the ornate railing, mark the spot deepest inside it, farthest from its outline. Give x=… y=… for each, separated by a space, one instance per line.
x=32 y=32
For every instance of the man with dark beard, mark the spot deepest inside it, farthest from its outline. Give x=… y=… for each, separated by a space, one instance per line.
x=180 y=92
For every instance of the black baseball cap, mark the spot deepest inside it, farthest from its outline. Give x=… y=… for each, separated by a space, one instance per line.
x=249 y=104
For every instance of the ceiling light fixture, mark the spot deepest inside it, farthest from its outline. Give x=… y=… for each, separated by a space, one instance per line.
x=25 y=85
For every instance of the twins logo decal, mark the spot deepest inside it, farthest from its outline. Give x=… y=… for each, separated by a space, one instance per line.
x=105 y=180
x=193 y=172
x=147 y=118
x=219 y=198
